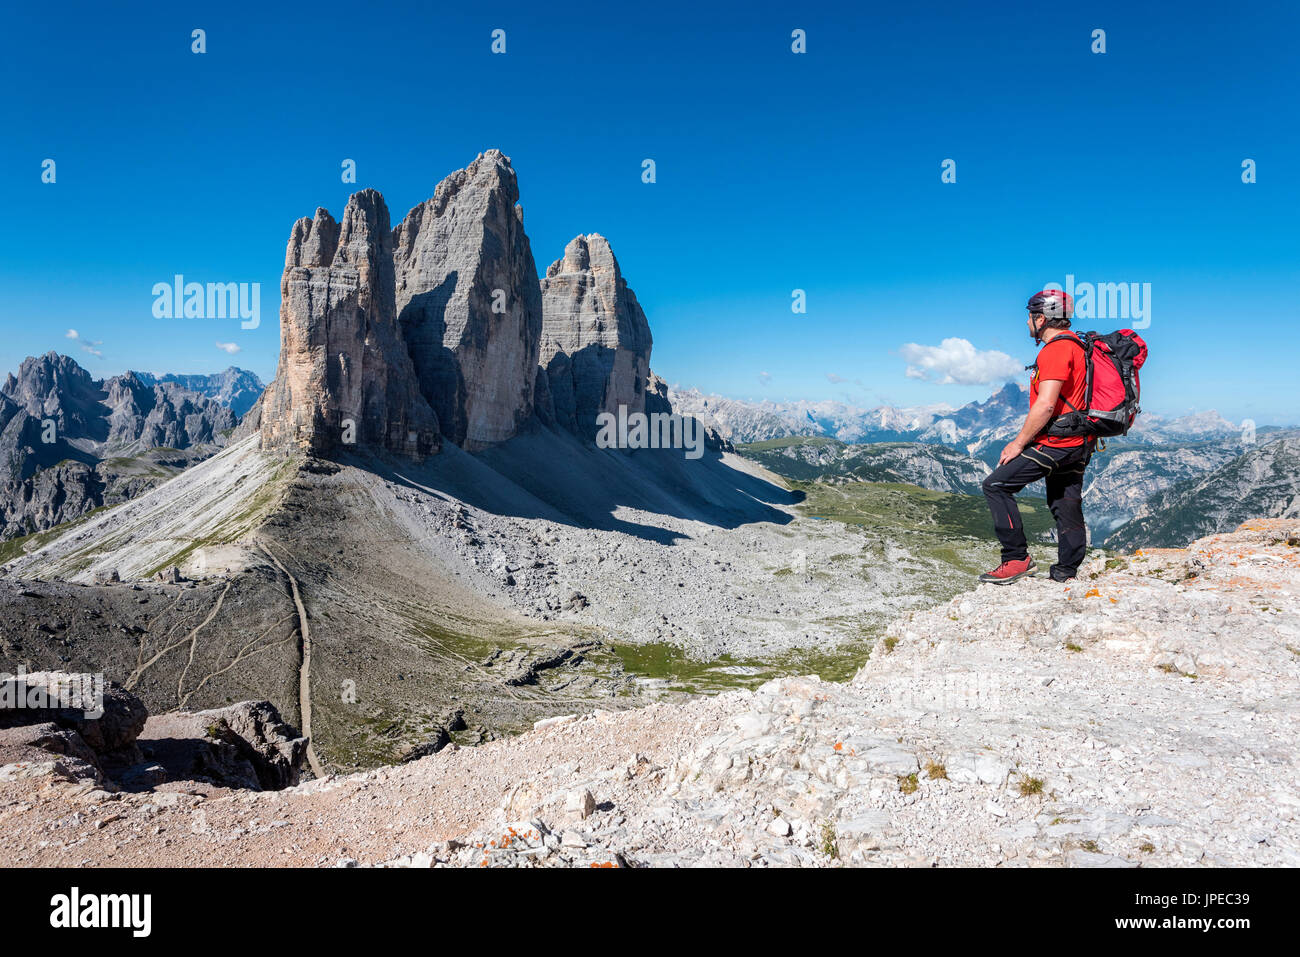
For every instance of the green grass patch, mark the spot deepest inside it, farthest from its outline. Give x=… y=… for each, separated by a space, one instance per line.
x=1029 y=786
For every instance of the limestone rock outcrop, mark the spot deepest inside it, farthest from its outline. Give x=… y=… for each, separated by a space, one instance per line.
x=101 y=731
x=244 y=745
x=88 y=714
x=429 y=330
x=596 y=341
x=344 y=376
x=469 y=304
x=441 y=329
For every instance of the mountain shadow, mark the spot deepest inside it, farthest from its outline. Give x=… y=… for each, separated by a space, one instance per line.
x=546 y=473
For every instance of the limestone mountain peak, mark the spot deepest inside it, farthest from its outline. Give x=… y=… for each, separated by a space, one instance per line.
x=344 y=375
x=469 y=304
x=596 y=340
x=448 y=309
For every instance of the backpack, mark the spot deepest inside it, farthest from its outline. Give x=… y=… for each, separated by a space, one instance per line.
x=1113 y=388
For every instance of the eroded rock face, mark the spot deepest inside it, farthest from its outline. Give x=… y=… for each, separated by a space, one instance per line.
x=344 y=373
x=595 y=338
x=469 y=304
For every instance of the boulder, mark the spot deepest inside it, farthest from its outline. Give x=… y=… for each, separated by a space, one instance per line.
x=106 y=717
x=103 y=731
x=245 y=745
x=37 y=741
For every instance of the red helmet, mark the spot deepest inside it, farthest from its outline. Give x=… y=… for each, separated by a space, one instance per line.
x=1052 y=303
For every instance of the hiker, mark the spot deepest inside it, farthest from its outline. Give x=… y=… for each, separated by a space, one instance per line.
x=1058 y=382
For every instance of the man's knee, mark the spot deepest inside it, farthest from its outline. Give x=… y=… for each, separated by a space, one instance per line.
x=1067 y=508
x=992 y=485
x=1066 y=503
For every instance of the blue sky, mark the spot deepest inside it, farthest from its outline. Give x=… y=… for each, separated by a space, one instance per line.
x=775 y=172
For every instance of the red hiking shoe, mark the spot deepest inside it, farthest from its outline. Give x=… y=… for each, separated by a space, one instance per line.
x=1009 y=572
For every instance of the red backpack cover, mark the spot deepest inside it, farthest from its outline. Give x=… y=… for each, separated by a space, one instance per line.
x=1113 y=361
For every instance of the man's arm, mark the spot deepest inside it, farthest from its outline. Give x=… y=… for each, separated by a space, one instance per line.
x=1040 y=413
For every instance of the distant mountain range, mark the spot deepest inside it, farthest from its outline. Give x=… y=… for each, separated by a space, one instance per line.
x=70 y=444
x=742 y=421
x=236 y=389
x=934 y=467
x=1262 y=483
x=979 y=429
x=945 y=449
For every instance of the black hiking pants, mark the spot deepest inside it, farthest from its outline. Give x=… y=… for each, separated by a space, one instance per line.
x=1063 y=471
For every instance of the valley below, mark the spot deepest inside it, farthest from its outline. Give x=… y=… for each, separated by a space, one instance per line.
x=1144 y=716
x=468 y=597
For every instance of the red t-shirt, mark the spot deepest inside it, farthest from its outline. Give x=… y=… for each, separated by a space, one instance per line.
x=1061 y=360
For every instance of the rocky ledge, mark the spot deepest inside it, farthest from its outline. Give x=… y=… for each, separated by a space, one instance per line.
x=73 y=728
x=1145 y=714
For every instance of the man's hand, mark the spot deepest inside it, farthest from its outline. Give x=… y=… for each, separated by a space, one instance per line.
x=1040 y=413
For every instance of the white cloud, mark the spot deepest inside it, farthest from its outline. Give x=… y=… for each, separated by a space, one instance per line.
x=958 y=362
x=764 y=378
x=835 y=379
x=87 y=345
x=230 y=348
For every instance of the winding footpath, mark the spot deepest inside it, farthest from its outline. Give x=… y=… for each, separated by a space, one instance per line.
x=304 y=665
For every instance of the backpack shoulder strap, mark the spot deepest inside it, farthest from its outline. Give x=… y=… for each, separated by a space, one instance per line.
x=1072 y=337
x=1068 y=337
